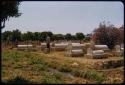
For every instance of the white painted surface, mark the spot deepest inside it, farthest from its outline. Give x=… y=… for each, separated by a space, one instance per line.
x=77 y=51
x=24 y=45
x=101 y=47
x=98 y=52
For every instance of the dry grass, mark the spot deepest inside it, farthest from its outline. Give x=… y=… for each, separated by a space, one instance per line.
x=33 y=67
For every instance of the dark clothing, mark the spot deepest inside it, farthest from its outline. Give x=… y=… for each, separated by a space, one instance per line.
x=48 y=43
x=48 y=46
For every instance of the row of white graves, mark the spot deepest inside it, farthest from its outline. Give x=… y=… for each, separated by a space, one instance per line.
x=90 y=50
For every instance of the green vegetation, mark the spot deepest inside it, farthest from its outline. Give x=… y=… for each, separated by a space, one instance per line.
x=93 y=75
x=53 y=78
x=34 y=67
x=64 y=68
x=9 y=9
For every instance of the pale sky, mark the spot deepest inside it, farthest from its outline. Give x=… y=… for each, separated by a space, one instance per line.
x=65 y=16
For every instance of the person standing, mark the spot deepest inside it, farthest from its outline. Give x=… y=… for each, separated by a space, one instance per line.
x=48 y=43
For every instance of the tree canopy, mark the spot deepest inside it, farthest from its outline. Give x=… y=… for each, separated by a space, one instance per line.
x=80 y=36
x=108 y=34
x=8 y=9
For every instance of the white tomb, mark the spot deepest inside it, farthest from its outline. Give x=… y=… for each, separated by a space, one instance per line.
x=101 y=47
x=25 y=47
x=60 y=46
x=98 y=52
x=95 y=54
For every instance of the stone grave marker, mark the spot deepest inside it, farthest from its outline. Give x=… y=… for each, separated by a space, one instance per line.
x=117 y=50
x=89 y=52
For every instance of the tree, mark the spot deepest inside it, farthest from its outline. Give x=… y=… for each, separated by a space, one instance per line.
x=16 y=36
x=87 y=37
x=74 y=37
x=50 y=34
x=6 y=37
x=122 y=33
x=37 y=36
x=80 y=36
x=58 y=37
x=68 y=36
x=8 y=9
x=107 y=34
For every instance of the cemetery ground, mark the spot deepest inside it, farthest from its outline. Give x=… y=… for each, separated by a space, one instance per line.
x=55 y=67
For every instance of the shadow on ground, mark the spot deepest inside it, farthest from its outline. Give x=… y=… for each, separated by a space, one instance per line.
x=18 y=80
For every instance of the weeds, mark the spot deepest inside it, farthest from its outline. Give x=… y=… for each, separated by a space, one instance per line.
x=40 y=67
x=21 y=61
x=57 y=75
x=64 y=68
x=93 y=75
x=51 y=79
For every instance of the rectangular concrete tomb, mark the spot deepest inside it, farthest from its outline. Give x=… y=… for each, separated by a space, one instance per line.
x=75 y=53
x=76 y=46
x=96 y=54
x=75 y=49
x=60 y=46
x=25 y=47
x=101 y=47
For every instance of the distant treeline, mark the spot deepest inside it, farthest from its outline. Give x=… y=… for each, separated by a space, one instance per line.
x=105 y=33
x=16 y=35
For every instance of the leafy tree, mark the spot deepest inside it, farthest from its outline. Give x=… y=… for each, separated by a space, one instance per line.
x=50 y=34
x=122 y=33
x=68 y=36
x=107 y=34
x=6 y=35
x=74 y=37
x=87 y=37
x=8 y=9
x=58 y=37
x=23 y=37
x=80 y=36
x=16 y=36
